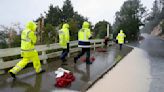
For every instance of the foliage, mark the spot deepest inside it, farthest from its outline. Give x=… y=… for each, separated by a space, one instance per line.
x=162 y=26
x=3 y=42
x=67 y=11
x=56 y=17
x=155 y=16
x=100 y=29
x=50 y=34
x=9 y=36
x=73 y=29
x=129 y=19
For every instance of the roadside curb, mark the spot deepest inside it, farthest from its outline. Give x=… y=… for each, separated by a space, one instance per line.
x=91 y=83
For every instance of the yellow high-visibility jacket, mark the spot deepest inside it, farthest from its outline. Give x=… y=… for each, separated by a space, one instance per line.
x=84 y=35
x=28 y=40
x=64 y=36
x=120 y=37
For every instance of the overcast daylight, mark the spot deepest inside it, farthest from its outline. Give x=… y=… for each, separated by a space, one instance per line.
x=81 y=45
x=13 y=11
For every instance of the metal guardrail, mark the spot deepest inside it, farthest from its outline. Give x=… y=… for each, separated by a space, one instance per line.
x=40 y=48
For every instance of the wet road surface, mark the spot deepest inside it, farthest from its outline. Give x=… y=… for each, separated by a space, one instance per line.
x=85 y=75
x=142 y=70
x=155 y=49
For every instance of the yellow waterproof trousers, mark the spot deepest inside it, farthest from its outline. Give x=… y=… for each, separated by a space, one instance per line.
x=33 y=56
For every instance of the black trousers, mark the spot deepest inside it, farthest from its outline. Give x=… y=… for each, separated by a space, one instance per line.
x=64 y=53
x=83 y=51
x=120 y=46
x=67 y=47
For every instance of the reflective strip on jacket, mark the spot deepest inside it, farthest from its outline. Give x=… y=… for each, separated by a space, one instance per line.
x=28 y=40
x=83 y=37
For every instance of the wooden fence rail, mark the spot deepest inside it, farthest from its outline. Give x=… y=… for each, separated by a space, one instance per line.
x=10 y=52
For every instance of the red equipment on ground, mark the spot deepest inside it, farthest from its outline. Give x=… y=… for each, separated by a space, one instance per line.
x=63 y=78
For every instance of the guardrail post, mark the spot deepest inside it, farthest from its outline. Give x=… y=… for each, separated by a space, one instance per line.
x=69 y=52
x=112 y=43
x=94 y=46
x=44 y=55
x=1 y=71
x=108 y=44
x=102 y=43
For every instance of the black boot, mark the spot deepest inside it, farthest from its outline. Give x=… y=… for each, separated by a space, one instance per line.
x=75 y=60
x=88 y=62
x=42 y=71
x=64 y=62
x=12 y=75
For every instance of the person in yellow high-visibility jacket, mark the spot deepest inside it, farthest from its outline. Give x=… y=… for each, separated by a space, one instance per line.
x=120 y=38
x=84 y=36
x=64 y=37
x=28 y=52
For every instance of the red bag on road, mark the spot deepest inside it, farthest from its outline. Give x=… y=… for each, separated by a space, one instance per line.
x=64 y=80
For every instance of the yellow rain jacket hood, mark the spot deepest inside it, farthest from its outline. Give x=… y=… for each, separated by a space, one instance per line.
x=85 y=25
x=31 y=26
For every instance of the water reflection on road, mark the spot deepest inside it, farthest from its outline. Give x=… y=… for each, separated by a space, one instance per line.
x=155 y=49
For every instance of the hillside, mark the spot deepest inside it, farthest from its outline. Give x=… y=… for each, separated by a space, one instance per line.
x=157 y=31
